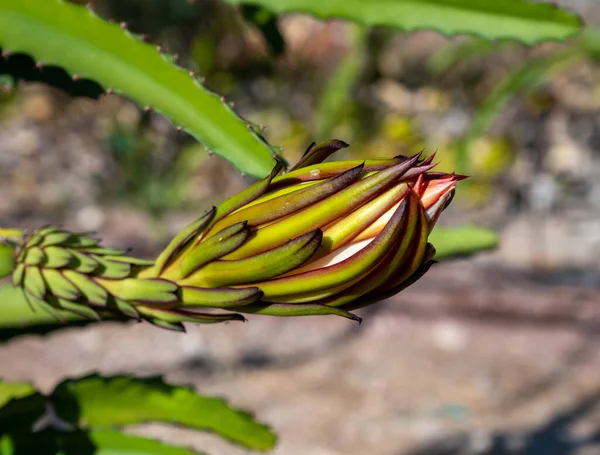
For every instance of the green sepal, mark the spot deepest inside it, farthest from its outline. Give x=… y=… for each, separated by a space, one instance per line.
x=325 y=171
x=123 y=307
x=285 y=310
x=149 y=290
x=82 y=263
x=316 y=154
x=175 y=316
x=17 y=275
x=43 y=231
x=214 y=247
x=79 y=309
x=174 y=326
x=34 y=256
x=410 y=230
x=247 y=195
x=57 y=257
x=34 y=282
x=338 y=274
x=36 y=237
x=101 y=251
x=349 y=227
x=328 y=170
x=91 y=290
x=81 y=241
x=130 y=260
x=59 y=286
x=279 y=207
x=416 y=256
x=218 y=297
x=181 y=240
x=56 y=238
x=269 y=264
x=111 y=270
x=324 y=212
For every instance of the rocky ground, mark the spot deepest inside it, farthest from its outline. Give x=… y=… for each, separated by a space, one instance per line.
x=493 y=355
x=473 y=359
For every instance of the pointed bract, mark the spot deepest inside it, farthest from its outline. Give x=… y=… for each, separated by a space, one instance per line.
x=323 y=239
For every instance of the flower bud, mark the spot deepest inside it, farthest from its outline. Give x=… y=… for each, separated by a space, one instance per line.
x=323 y=238
x=319 y=239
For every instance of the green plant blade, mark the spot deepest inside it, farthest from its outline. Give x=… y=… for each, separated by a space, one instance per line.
x=60 y=33
x=10 y=390
x=96 y=401
x=518 y=19
x=461 y=241
x=98 y=442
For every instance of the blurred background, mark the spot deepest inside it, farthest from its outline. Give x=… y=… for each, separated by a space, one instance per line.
x=496 y=354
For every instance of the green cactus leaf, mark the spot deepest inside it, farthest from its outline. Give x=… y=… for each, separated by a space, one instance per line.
x=98 y=442
x=92 y=402
x=11 y=390
x=517 y=19
x=60 y=33
x=452 y=242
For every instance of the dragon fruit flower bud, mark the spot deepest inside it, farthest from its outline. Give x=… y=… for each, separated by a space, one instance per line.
x=323 y=238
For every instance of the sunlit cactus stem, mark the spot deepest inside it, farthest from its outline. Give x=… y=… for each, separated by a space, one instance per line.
x=323 y=238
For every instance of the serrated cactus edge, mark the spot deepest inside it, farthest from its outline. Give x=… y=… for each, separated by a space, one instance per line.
x=60 y=33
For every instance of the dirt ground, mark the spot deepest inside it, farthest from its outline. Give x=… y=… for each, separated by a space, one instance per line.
x=474 y=359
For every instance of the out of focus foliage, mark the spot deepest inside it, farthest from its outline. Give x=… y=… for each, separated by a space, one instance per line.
x=75 y=417
x=479 y=104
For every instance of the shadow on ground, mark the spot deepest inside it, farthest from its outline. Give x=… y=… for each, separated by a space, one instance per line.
x=553 y=437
